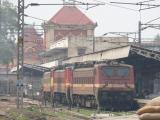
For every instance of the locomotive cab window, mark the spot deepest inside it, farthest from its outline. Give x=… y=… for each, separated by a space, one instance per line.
x=108 y=71
x=115 y=71
x=123 y=71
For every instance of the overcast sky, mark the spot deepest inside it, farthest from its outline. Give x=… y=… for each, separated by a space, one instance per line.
x=109 y=18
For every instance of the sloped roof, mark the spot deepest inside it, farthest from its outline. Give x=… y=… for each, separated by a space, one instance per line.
x=71 y=15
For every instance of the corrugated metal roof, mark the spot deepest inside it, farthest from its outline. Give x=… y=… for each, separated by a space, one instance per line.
x=30 y=66
x=36 y=67
x=115 y=53
x=50 y=64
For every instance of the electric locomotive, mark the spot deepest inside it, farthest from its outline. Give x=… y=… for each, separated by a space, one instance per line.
x=100 y=85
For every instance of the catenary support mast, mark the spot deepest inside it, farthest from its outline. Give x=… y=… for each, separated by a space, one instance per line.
x=20 y=58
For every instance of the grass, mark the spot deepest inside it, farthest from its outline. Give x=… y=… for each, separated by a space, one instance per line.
x=2 y=118
x=122 y=113
x=31 y=113
x=35 y=113
x=86 y=112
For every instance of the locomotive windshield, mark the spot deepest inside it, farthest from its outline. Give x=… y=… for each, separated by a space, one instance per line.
x=115 y=71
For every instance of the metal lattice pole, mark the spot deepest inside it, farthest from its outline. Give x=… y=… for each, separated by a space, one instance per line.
x=20 y=51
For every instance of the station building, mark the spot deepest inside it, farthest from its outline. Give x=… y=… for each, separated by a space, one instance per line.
x=71 y=33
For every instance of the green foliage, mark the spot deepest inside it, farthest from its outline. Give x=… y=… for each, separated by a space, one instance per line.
x=85 y=112
x=6 y=54
x=8 y=21
x=8 y=28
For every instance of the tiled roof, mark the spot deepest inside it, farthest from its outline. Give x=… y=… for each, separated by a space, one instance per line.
x=71 y=15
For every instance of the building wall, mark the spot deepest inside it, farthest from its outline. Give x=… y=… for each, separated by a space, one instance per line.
x=49 y=37
x=33 y=45
x=75 y=46
x=52 y=57
x=53 y=33
x=101 y=43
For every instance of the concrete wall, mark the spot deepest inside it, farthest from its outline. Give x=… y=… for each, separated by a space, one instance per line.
x=74 y=44
x=55 y=32
x=49 y=37
x=54 y=56
x=101 y=43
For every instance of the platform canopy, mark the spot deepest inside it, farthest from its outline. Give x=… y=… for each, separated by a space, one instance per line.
x=114 y=54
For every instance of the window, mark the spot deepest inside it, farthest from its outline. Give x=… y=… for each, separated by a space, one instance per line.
x=108 y=71
x=115 y=71
x=123 y=72
x=81 y=51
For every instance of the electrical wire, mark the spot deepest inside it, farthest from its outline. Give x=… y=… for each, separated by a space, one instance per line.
x=117 y=6
x=153 y=20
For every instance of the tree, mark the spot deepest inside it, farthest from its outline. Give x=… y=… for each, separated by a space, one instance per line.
x=157 y=38
x=8 y=28
x=8 y=21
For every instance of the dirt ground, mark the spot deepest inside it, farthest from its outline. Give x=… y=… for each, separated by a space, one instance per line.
x=7 y=103
x=128 y=117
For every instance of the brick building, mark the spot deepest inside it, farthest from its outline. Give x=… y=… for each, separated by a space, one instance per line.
x=71 y=33
x=68 y=22
x=33 y=45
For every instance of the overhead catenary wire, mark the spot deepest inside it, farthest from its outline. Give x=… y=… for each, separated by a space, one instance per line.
x=153 y=20
x=140 y=4
x=35 y=17
x=116 y=5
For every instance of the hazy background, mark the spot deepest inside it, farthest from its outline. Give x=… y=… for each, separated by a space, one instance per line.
x=108 y=17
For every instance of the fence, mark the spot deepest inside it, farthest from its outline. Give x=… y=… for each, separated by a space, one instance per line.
x=8 y=84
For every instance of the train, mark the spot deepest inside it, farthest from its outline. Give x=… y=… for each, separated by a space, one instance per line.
x=108 y=86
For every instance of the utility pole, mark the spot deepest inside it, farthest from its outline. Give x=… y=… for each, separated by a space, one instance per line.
x=139 y=32
x=93 y=43
x=20 y=47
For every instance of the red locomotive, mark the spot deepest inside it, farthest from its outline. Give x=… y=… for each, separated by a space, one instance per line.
x=95 y=86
